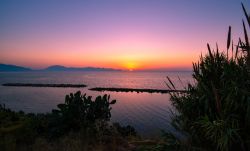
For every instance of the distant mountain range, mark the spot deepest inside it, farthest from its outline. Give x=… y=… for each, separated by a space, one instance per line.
x=62 y=68
x=14 y=68
x=6 y=67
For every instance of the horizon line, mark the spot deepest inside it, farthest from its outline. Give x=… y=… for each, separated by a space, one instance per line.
x=120 y=69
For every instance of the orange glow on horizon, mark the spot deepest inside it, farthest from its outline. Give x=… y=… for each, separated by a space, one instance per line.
x=131 y=66
x=129 y=36
x=127 y=53
x=125 y=62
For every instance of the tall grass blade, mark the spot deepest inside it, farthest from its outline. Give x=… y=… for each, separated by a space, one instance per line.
x=245 y=12
x=229 y=37
x=232 y=49
x=217 y=48
x=181 y=82
x=169 y=87
x=171 y=82
x=242 y=45
x=237 y=49
x=209 y=50
x=245 y=33
x=240 y=42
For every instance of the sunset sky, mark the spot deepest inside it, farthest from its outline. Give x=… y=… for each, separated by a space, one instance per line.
x=125 y=34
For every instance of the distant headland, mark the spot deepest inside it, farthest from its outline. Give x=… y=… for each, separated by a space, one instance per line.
x=7 y=68
x=15 y=68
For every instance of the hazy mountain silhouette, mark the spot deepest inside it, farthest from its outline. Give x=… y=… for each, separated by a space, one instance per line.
x=15 y=68
x=62 y=68
x=6 y=67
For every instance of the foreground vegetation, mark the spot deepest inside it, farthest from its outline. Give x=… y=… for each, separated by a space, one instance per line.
x=215 y=113
x=79 y=124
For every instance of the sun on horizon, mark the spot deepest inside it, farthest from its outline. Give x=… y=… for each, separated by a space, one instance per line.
x=130 y=66
x=130 y=35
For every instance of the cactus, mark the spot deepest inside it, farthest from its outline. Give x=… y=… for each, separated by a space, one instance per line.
x=80 y=111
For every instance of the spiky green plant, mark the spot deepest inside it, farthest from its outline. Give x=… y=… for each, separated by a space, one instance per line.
x=214 y=114
x=79 y=112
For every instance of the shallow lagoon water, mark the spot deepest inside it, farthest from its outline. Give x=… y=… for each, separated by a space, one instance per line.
x=149 y=113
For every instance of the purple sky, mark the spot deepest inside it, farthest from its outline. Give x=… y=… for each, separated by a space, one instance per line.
x=132 y=34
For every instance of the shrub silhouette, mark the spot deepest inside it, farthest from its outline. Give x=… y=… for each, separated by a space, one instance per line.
x=84 y=119
x=79 y=112
x=14 y=129
x=215 y=113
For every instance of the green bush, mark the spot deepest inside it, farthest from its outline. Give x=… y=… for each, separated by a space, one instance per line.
x=214 y=114
x=216 y=111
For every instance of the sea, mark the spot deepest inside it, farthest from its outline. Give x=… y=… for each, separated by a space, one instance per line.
x=148 y=113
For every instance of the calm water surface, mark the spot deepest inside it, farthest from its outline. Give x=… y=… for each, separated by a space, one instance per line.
x=148 y=113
